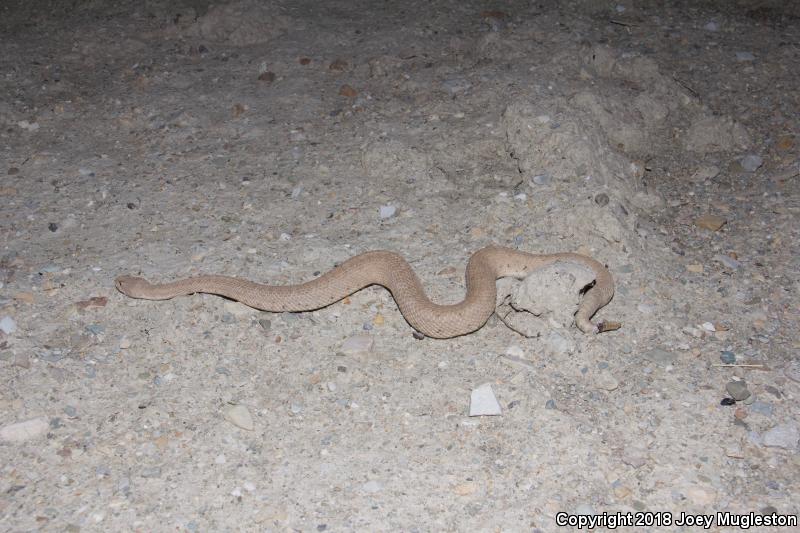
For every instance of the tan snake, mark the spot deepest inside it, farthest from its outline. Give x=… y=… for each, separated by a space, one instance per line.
x=391 y=271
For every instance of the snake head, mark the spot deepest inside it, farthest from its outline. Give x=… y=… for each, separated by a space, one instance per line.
x=131 y=286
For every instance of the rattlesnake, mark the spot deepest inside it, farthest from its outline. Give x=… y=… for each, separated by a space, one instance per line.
x=391 y=271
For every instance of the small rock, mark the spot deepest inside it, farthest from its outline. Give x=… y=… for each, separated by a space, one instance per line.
x=8 y=325
x=708 y=326
x=762 y=408
x=745 y=56
x=357 y=344
x=606 y=381
x=387 y=211
x=22 y=431
x=124 y=343
x=465 y=489
x=558 y=344
x=22 y=360
x=711 y=25
x=95 y=329
x=737 y=389
x=267 y=76
x=705 y=172
x=783 y=436
x=710 y=222
x=456 y=85
x=727 y=357
x=483 y=402
x=542 y=179
x=371 y=487
x=150 y=472
x=728 y=261
x=265 y=323
x=550 y=404
x=601 y=199
x=751 y=162
x=658 y=355
x=338 y=65
x=239 y=416
x=515 y=351
x=347 y=91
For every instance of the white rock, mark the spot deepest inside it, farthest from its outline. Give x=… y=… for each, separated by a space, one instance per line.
x=371 y=487
x=22 y=431
x=483 y=402
x=7 y=325
x=708 y=326
x=239 y=416
x=357 y=344
x=515 y=351
x=387 y=211
x=124 y=343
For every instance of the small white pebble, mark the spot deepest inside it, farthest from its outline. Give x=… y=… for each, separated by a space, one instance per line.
x=387 y=211
x=483 y=402
x=8 y=325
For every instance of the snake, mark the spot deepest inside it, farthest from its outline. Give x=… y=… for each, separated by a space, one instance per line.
x=391 y=271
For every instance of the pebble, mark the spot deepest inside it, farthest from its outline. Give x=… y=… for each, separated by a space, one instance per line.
x=745 y=56
x=515 y=351
x=357 y=344
x=150 y=472
x=606 y=381
x=124 y=343
x=601 y=199
x=22 y=431
x=95 y=329
x=550 y=404
x=542 y=179
x=657 y=355
x=710 y=222
x=239 y=416
x=783 y=436
x=557 y=344
x=22 y=360
x=727 y=357
x=737 y=389
x=456 y=85
x=792 y=370
x=8 y=325
x=728 y=261
x=387 y=211
x=711 y=25
x=265 y=324
x=762 y=408
x=751 y=162
x=371 y=487
x=483 y=402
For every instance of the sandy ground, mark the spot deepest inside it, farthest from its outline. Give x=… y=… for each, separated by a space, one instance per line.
x=273 y=140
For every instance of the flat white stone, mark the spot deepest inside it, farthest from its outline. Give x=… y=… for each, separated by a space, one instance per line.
x=7 y=325
x=357 y=344
x=239 y=416
x=483 y=402
x=22 y=431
